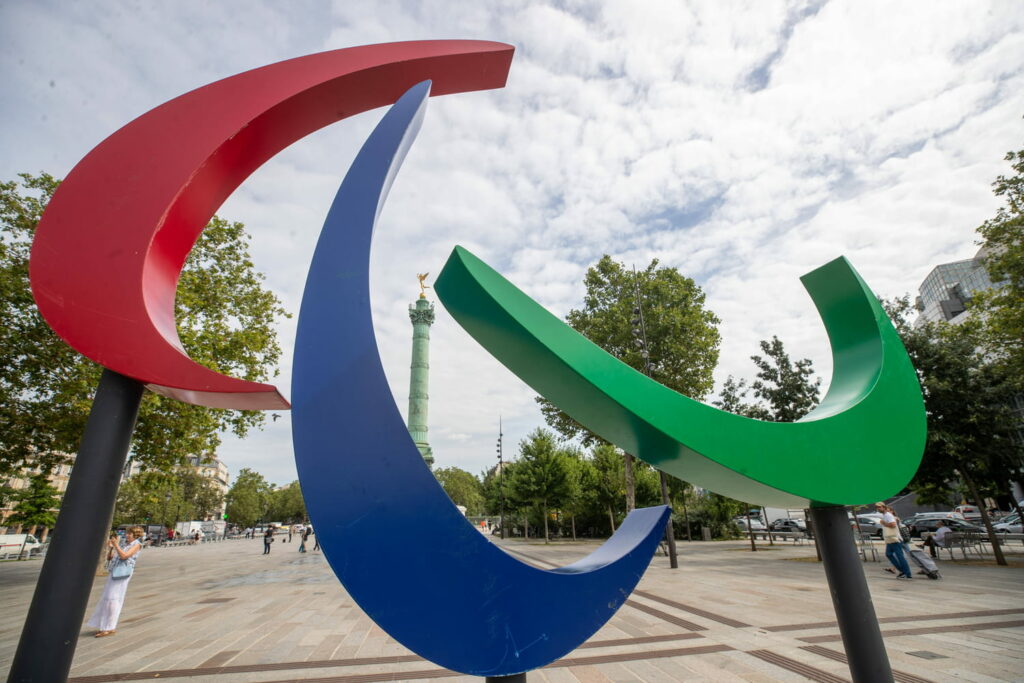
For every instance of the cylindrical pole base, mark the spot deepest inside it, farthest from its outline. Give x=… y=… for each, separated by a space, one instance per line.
x=54 y=618
x=514 y=678
x=858 y=626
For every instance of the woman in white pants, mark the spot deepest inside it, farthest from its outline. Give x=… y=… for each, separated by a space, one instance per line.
x=109 y=608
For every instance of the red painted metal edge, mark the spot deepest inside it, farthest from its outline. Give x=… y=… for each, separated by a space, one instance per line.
x=110 y=247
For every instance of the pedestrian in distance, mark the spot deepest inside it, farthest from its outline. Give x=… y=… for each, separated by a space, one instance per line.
x=893 y=541
x=268 y=538
x=290 y=530
x=316 y=539
x=123 y=558
x=305 y=537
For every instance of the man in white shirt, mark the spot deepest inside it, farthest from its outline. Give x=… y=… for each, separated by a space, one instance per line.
x=893 y=541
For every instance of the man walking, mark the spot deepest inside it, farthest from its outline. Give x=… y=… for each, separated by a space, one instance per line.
x=268 y=538
x=893 y=541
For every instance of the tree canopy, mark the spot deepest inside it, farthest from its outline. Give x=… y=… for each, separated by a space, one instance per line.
x=36 y=504
x=1001 y=308
x=543 y=475
x=682 y=335
x=225 y=320
x=165 y=498
x=971 y=426
x=784 y=390
x=462 y=487
x=248 y=501
x=285 y=504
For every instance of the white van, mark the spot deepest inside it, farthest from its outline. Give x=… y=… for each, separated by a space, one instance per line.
x=11 y=544
x=969 y=512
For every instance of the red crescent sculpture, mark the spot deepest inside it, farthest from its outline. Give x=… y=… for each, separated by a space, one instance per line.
x=111 y=245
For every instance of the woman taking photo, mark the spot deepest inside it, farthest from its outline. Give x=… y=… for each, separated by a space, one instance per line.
x=109 y=608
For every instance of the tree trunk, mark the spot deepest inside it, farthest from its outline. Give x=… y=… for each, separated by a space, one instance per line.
x=686 y=519
x=764 y=513
x=544 y=508
x=630 y=484
x=526 y=523
x=573 y=519
x=993 y=537
x=753 y=545
x=611 y=518
x=670 y=530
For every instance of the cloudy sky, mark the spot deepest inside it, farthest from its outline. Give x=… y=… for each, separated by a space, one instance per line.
x=744 y=143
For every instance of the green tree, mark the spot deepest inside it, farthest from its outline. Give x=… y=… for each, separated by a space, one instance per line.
x=609 y=484
x=462 y=487
x=577 y=502
x=156 y=497
x=543 y=475
x=287 y=504
x=717 y=512
x=225 y=321
x=682 y=335
x=249 y=498
x=202 y=498
x=786 y=388
x=970 y=425
x=150 y=497
x=1001 y=308
x=36 y=504
x=784 y=391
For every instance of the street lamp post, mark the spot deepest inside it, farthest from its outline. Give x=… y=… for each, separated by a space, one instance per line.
x=501 y=482
x=640 y=339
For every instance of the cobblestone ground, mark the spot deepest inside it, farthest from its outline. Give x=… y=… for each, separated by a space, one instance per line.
x=225 y=612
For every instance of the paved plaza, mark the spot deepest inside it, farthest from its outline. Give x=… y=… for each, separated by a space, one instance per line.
x=224 y=612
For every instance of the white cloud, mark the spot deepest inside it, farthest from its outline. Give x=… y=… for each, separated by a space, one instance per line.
x=744 y=142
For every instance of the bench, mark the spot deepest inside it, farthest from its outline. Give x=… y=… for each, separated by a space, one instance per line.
x=798 y=537
x=1005 y=538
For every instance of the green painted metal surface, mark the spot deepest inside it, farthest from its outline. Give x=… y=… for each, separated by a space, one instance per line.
x=861 y=444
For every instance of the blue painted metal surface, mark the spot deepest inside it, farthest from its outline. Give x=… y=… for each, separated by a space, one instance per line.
x=392 y=536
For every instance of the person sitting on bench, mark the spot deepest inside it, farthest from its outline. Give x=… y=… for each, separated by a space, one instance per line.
x=938 y=539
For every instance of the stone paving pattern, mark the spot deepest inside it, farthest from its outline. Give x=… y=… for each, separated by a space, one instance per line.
x=224 y=612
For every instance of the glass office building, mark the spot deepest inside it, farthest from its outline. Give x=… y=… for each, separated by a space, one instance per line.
x=945 y=292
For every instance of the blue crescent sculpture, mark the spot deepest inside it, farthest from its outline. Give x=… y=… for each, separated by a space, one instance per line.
x=391 y=534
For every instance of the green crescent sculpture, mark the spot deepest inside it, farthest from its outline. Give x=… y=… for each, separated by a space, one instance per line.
x=863 y=443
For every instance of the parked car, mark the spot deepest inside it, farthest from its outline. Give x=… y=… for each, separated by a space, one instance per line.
x=869 y=524
x=1010 y=525
x=755 y=524
x=969 y=512
x=921 y=516
x=789 y=524
x=957 y=525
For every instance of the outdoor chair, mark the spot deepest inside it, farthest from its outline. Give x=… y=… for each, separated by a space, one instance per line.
x=952 y=542
x=971 y=541
x=866 y=545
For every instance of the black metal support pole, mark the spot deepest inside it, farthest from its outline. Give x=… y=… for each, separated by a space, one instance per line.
x=514 y=678
x=54 y=618
x=855 y=612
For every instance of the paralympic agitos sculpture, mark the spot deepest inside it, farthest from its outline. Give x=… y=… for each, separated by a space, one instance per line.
x=104 y=270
